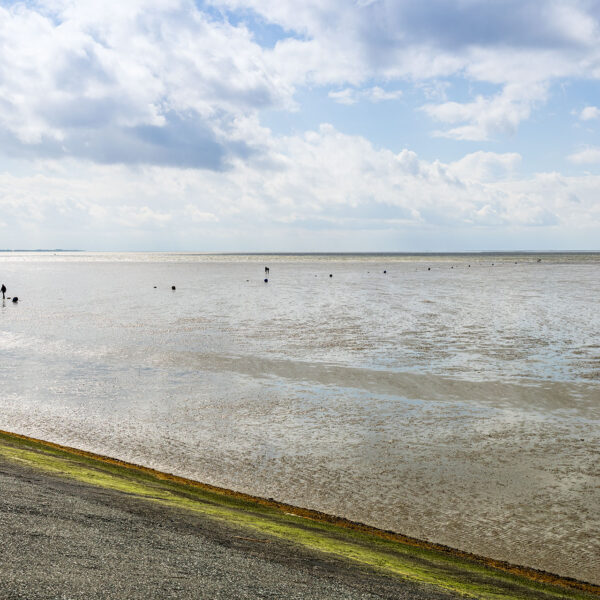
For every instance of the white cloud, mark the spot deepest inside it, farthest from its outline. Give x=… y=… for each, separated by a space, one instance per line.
x=589 y=113
x=347 y=96
x=574 y=23
x=587 y=156
x=163 y=82
x=141 y=216
x=377 y=94
x=486 y=117
x=373 y=94
x=441 y=38
x=485 y=166
x=200 y=216
x=530 y=46
x=155 y=82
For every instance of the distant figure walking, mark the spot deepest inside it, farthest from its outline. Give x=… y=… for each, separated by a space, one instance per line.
x=266 y=270
x=3 y=289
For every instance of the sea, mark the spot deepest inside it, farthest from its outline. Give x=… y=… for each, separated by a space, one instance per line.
x=453 y=398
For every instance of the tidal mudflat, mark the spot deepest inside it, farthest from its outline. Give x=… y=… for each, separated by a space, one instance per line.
x=452 y=403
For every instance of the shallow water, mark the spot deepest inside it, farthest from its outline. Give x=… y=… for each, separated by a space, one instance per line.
x=458 y=404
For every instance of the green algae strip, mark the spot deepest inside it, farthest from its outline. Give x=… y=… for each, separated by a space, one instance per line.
x=386 y=553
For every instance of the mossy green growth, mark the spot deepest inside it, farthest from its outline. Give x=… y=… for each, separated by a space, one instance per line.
x=425 y=566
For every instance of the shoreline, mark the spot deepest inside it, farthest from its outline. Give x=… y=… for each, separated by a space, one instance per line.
x=334 y=525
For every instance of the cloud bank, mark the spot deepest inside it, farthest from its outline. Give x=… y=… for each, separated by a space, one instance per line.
x=319 y=186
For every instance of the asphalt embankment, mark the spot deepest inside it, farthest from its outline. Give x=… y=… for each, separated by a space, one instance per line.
x=75 y=525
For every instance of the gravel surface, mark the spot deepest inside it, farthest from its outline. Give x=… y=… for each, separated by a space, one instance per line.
x=61 y=539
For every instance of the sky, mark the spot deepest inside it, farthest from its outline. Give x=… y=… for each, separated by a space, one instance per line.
x=300 y=126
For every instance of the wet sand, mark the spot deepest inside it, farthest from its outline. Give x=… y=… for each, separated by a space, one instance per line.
x=74 y=526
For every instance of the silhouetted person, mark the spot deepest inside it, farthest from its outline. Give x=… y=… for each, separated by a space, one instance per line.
x=3 y=290
x=266 y=270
